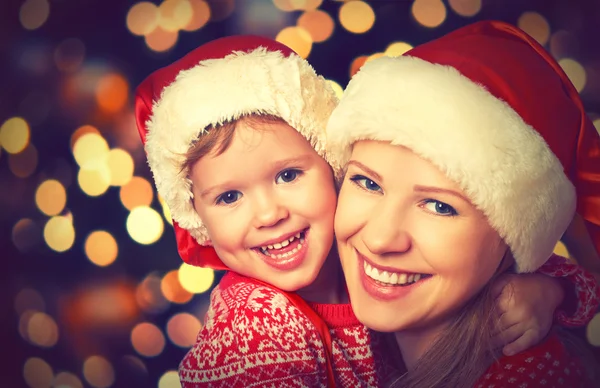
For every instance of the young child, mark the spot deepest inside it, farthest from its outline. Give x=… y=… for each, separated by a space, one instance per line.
x=234 y=133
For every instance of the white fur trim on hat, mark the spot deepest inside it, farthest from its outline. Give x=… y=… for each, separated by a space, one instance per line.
x=503 y=164
x=220 y=90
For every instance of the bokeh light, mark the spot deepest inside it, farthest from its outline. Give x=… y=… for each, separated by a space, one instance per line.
x=120 y=165
x=357 y=64
x=561 y=249
x=144 y=225
x=112 y=93
x=90 y=151
x=397 y=48
x=37 y=373
x=160 y=40
x=34 y=13
x=318 y=24
x=593 y=330
x=142 y=18
x=42 y=330
x=147 y=339
x=138 y=192
x=166 y=210
x=29 y=299
x=296 y=38
x=25 y=162
x=67 y=380
x=94 y=182
x=597 y=125
x=339 y=91
x=357 y=16
x=59 y=233
x=24 y=323
x=200 y=15
x=98 y=372
x=465 y=8
x=149 y=296
x=183 y=329
x=69 y=55
x=26 y=234
x=575 y=72
x=173 y=290
x=535 y=25
x=173 y=15
x=429 y=13
x=196 y=279
x=14 y=135
x=374 y=56
x=51 y=197
x=564 y=44
x=101 y=248
x=169 y=379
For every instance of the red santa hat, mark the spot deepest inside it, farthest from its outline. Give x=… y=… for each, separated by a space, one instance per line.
x=490 y=107
x=218 y=82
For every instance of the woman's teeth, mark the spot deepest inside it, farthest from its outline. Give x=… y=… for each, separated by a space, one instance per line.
x=282 y=244
x=402 y=279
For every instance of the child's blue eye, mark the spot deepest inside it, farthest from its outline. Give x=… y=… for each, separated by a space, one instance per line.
x=440 y=208
x=229 y=197
x=288 y=175
x=365 y=183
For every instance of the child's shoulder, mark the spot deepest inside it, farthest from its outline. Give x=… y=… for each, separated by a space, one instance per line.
x=547 y=364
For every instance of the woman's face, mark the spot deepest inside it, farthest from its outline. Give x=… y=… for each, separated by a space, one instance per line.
x=413 y=247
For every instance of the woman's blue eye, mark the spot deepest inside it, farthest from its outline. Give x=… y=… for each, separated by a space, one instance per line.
x=229 y=197
x=440 y=208
x=288 y=176
x=365 y=183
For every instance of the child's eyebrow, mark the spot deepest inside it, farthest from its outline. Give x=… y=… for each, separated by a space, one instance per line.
x=289 y=162
x=216 y=188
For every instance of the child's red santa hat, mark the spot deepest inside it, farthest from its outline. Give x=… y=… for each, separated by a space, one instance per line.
x=222 y=81
x=491 y=108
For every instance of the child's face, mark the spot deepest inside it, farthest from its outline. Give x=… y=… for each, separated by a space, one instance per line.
x=268 y=203
x=412 y=245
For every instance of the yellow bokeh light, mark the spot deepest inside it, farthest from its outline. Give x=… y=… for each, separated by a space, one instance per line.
x=120 y=165
x=429 y=13
x=147 y=339
x=561 y=249
x=51 y=197
x=297 y=5
x=200 y=15
x=29 y=299
x=173 y=290
x=597 y=125
x=183 y=329
x=535 y=25
x=296 y=38
x=318 y=24
x=145 y=225
x=575 y=72
x=196 y=279
x=112 y=93
x=42 y=330
x=67 y=380
x=37 y=373
x=94 y=182
x=169 y=379
x=160 y=40
x=357 y=16
x=59 y=233
x=101 y=248
x=14 y=135
x=142 y=18
x=593 y=330
x=90 y=151
x=466 y=8
x=25 y=162
x=138 y=192
x=397 y=48
x=339 y=91
x=173 y=15
x=374 y=56
x=166 y=210
x=83 y=130
x=34 y=13
x=98 y=372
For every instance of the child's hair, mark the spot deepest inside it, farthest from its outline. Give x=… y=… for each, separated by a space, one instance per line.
x=218 y=138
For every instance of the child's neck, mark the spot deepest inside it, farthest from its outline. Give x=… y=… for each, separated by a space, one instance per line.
x=329 y=287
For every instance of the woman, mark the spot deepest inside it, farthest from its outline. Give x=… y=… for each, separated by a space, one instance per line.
x=456 y=152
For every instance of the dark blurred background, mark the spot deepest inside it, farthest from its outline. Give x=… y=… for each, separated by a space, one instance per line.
x=93 y=291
